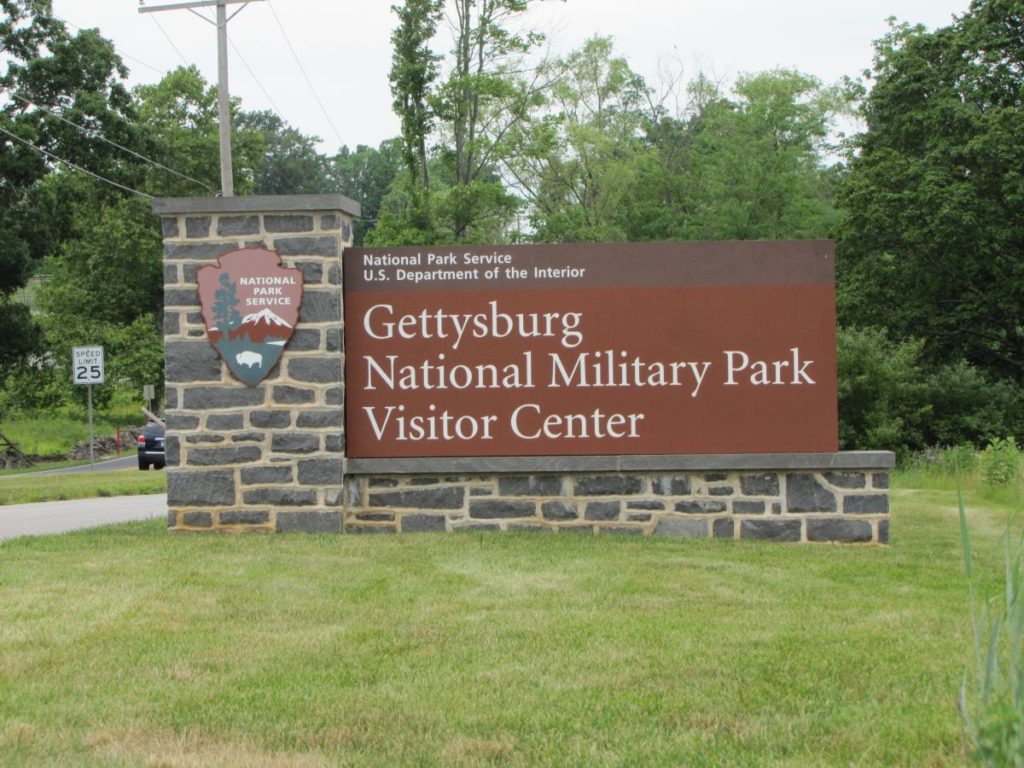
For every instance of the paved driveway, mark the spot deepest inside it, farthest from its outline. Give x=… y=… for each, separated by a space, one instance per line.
x=48 y=517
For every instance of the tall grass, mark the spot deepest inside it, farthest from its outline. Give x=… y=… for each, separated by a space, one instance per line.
x=992 y=692
x=48 y=434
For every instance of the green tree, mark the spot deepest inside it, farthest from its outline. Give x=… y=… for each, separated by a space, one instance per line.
x=749 y=165
x=180 y=119
x=483 y=98
x=934 y=227
x=576 y=161
x=290 y=163
x=414 y=68
x=366 y=174
x=48 y=75
x=454 y=190
x=109 y=268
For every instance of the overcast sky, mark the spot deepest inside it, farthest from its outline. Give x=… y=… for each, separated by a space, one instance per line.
x=344 y=45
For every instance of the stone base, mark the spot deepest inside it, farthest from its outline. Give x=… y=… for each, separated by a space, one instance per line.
x=841 y=498
x=846 y=504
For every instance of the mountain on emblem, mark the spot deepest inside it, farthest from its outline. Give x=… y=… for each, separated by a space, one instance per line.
x=250 y=306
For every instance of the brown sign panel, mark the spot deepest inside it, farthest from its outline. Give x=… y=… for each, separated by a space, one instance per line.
x=250 y=307
x=591 y=349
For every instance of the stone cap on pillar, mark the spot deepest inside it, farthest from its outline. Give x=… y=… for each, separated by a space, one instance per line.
x=170 y=206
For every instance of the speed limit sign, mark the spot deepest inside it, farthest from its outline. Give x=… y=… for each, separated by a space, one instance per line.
x=87 y=365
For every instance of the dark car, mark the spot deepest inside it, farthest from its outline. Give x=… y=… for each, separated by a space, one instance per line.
x=151 y=447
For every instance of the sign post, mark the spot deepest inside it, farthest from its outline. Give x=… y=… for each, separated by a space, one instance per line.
x=87 y=368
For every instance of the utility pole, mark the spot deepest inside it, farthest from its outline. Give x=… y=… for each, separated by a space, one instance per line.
x=227 y=184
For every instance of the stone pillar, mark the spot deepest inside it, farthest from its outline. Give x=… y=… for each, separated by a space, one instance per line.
x=268 y=457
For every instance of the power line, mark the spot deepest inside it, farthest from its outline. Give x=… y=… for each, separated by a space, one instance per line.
x=253 y=74
x=68 y=163
x=227 y=184
x=169 y=40
x=303 y=71
x=101 y=137
x=122 y=53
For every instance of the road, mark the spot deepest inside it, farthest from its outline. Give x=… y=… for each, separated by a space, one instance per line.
x=122 y=462
x=48 y=517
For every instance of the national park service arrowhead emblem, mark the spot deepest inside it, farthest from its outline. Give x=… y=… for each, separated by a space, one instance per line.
x=250 y=307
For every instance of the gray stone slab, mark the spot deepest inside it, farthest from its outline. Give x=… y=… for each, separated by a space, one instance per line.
x=197 y=227
x=867 y=504
x=683 y=529
x=546 y=485
x=668 y=463
x=309 y=521
x=201 y=489
x=701 y=507
x=805 y=494
x=423 y=524
x=501 y=508
x=838 y=530
x=770 y=530
x=428 y=498
x=244 y=517
x=238 y=225
x=672 y=486
x=608 y=485
x=603 y=510
x=559 y=510
x=169 y=206
x=191 y=361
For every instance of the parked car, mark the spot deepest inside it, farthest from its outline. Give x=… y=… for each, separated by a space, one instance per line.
x=151 y=447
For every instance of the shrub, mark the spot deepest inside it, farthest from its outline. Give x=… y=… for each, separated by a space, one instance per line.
x=889 y=398
x=1000 y=462
x=882 y=389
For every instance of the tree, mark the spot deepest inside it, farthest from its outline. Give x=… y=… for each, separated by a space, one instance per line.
x=47 y=74
x=577 y=162
x=290 y=163
x=934 y=227
x=109 y=267
x=745 y=166
x=180 y=119
x=414 y=67
x=483 y=97
x=366 y=174
x=468 y=102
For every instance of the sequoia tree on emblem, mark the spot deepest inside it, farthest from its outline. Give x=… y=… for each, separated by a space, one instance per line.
x=250 y=306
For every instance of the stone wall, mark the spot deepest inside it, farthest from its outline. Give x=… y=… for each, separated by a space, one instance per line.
x=271 y=457
x=267 y=457
x=848 y=502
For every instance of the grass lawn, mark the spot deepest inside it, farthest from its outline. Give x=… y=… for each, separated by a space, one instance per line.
x=127 y=646
x=21 y=488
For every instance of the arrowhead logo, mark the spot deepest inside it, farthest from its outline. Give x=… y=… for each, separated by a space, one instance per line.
x=250 y=306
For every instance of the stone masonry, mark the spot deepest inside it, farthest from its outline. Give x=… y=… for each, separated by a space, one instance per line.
x=849 y=506
x=267 y=457
x=270 y=458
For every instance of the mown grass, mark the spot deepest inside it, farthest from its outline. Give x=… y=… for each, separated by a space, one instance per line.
x=131 y=647
x=27 y=488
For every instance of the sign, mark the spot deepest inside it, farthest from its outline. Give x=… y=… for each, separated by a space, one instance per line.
x=250 y=306
x=87 y=365
x=591 y=349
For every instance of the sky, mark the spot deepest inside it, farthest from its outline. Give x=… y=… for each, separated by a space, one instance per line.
x=323 y=64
